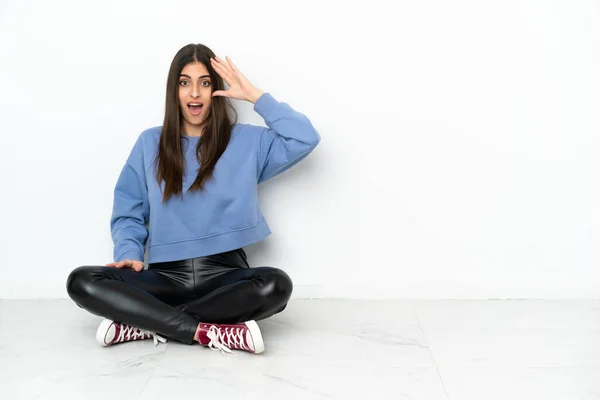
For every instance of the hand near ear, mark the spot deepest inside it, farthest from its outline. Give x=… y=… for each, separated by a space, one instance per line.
x=239 y=87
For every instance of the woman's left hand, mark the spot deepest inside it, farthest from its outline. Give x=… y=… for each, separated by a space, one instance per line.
x=239 y=87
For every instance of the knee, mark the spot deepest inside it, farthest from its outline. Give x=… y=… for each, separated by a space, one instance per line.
x=78 y=282
x=278 y=286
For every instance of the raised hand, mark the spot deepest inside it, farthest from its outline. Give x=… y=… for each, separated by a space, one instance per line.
x=136 y=265
x=239 y=87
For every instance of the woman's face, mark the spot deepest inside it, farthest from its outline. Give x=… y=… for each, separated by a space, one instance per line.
x=195 y=88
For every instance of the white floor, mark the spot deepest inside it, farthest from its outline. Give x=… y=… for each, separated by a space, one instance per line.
x=344 y=349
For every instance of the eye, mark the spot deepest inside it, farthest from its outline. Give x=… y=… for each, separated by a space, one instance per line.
x=207 y=82
x=181 y=83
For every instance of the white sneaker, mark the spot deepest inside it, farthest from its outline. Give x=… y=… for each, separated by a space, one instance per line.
x=111 y=332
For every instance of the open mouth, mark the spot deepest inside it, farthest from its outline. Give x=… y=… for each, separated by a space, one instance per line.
x=195 y=108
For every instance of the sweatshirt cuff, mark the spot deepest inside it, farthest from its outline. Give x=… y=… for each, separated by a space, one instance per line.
x=264 y=103
x=130 y=255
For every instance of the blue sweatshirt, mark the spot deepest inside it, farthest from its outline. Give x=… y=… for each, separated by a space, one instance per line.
x=226 y=215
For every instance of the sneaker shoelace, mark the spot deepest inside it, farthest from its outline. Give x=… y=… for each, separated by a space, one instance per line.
x=129 y=332
x=223 y=339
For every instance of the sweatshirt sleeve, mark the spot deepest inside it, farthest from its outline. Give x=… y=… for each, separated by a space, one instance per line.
x=289 y=138
x=130 y=209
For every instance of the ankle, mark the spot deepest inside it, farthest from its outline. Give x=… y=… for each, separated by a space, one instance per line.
x=197 y=333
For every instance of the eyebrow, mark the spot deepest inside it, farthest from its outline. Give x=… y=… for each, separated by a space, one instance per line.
x=187 y=76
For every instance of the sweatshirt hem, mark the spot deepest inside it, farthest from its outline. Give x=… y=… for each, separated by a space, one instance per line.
x=231 y=240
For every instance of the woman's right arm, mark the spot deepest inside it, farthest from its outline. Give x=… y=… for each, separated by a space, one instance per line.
x=130 y=209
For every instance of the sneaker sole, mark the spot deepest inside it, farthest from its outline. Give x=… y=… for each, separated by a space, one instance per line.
x=102 y=331
x=259 y=345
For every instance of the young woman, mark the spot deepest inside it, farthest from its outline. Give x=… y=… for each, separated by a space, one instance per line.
x=188 y=191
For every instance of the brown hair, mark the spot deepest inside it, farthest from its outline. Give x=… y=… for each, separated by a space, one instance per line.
x=215 y=135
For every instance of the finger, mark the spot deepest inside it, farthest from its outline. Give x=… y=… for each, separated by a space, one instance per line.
x=233 y=67
x=216 y=64
x=236 y=73
x=220 y=93
x=223 y=73
x=226 y=68
x=224 y=64
x=218 y=69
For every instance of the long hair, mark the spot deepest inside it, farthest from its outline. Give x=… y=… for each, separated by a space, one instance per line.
x=215 y=135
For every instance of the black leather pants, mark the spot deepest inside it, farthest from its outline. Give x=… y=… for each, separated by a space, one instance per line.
x=171 y=298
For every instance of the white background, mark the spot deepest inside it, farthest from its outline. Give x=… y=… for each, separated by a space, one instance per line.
x=459 y=151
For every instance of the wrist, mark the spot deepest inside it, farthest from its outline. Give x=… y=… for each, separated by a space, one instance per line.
x=255 y=95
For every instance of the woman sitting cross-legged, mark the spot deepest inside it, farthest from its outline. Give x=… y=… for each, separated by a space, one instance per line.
x=188 y=191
